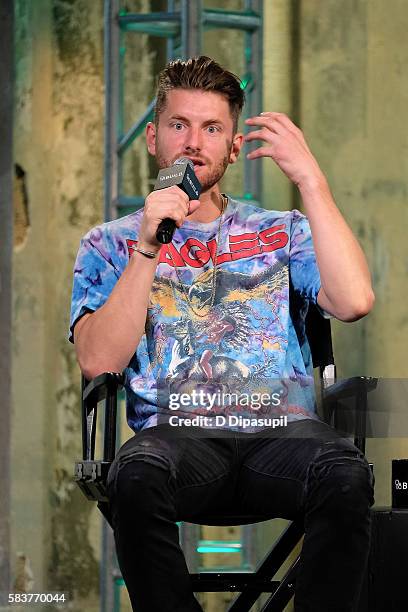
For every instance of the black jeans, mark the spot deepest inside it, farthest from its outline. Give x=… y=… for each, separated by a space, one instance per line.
x=165 y=474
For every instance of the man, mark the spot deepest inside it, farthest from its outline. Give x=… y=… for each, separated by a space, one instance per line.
x=222 y=308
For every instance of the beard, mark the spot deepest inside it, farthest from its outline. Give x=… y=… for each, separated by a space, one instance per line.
x=213 y=173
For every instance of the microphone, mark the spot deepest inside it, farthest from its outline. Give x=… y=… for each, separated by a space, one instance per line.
x=181 y=174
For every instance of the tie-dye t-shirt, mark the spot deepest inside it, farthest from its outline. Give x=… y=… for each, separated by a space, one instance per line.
x=251 y=338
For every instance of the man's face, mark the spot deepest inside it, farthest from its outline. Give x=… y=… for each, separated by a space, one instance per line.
x=195 y=124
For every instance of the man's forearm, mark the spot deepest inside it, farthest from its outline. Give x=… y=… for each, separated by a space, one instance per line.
x=346 y=286
x=346 y=283
x=106 y=339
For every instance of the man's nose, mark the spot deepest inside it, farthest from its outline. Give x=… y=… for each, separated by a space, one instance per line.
x=193 y=140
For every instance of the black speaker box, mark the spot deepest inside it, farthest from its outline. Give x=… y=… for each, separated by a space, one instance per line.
x=385 y=587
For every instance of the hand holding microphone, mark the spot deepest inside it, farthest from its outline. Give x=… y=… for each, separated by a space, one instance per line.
x=174 y=198
x=181 y=174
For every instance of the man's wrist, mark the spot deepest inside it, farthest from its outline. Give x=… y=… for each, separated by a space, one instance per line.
x=146 y=246
x=312 y=184
x=144 y=252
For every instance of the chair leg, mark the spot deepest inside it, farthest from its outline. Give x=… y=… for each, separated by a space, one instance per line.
x=269 y=566
x=286 y=589
x=104 y=509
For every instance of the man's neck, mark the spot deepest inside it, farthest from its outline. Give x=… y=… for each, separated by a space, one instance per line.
x=210 y=208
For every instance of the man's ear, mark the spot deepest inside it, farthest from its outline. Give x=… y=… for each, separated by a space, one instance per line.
x=151 y=138
x=236 y=145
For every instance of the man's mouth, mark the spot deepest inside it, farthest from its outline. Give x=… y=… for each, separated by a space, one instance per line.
x=197 y=162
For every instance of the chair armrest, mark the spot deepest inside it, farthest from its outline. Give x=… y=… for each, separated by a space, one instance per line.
x=349 y=387
x=90 y=474
x=351 y=419
x=102 y=386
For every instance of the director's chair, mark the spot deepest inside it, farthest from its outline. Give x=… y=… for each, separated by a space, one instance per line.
x=91 y=474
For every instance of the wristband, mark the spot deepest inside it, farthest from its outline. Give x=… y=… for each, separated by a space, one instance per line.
x=148 y=254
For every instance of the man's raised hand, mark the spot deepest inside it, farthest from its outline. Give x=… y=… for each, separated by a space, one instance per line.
x=285 y=144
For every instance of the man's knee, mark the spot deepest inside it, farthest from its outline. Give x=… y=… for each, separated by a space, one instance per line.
x=138 y=484
x=340 y=482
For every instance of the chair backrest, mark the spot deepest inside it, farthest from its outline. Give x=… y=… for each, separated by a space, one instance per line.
x=318 y=333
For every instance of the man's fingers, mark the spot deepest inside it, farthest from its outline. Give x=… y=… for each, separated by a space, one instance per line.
x=269 y=127
x=275 y=121
x=260 y=152
x=264 y=121
x=263 y=134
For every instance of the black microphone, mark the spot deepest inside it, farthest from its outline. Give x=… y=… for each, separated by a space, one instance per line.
x=181 y=174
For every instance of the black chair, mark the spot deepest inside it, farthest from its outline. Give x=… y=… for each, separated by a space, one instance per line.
x=90 y=474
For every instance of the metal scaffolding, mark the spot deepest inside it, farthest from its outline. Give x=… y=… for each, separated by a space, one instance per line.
x=182 y=25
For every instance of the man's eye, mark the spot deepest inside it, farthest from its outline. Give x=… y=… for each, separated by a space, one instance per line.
x=212 y=129
x=178 y=126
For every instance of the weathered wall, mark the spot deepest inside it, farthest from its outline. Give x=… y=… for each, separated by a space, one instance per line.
x=337 y=68
x=58 y=127
x=354 y=94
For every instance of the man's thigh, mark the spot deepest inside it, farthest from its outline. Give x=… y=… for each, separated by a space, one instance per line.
x=195 y=469
x=276 y=469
